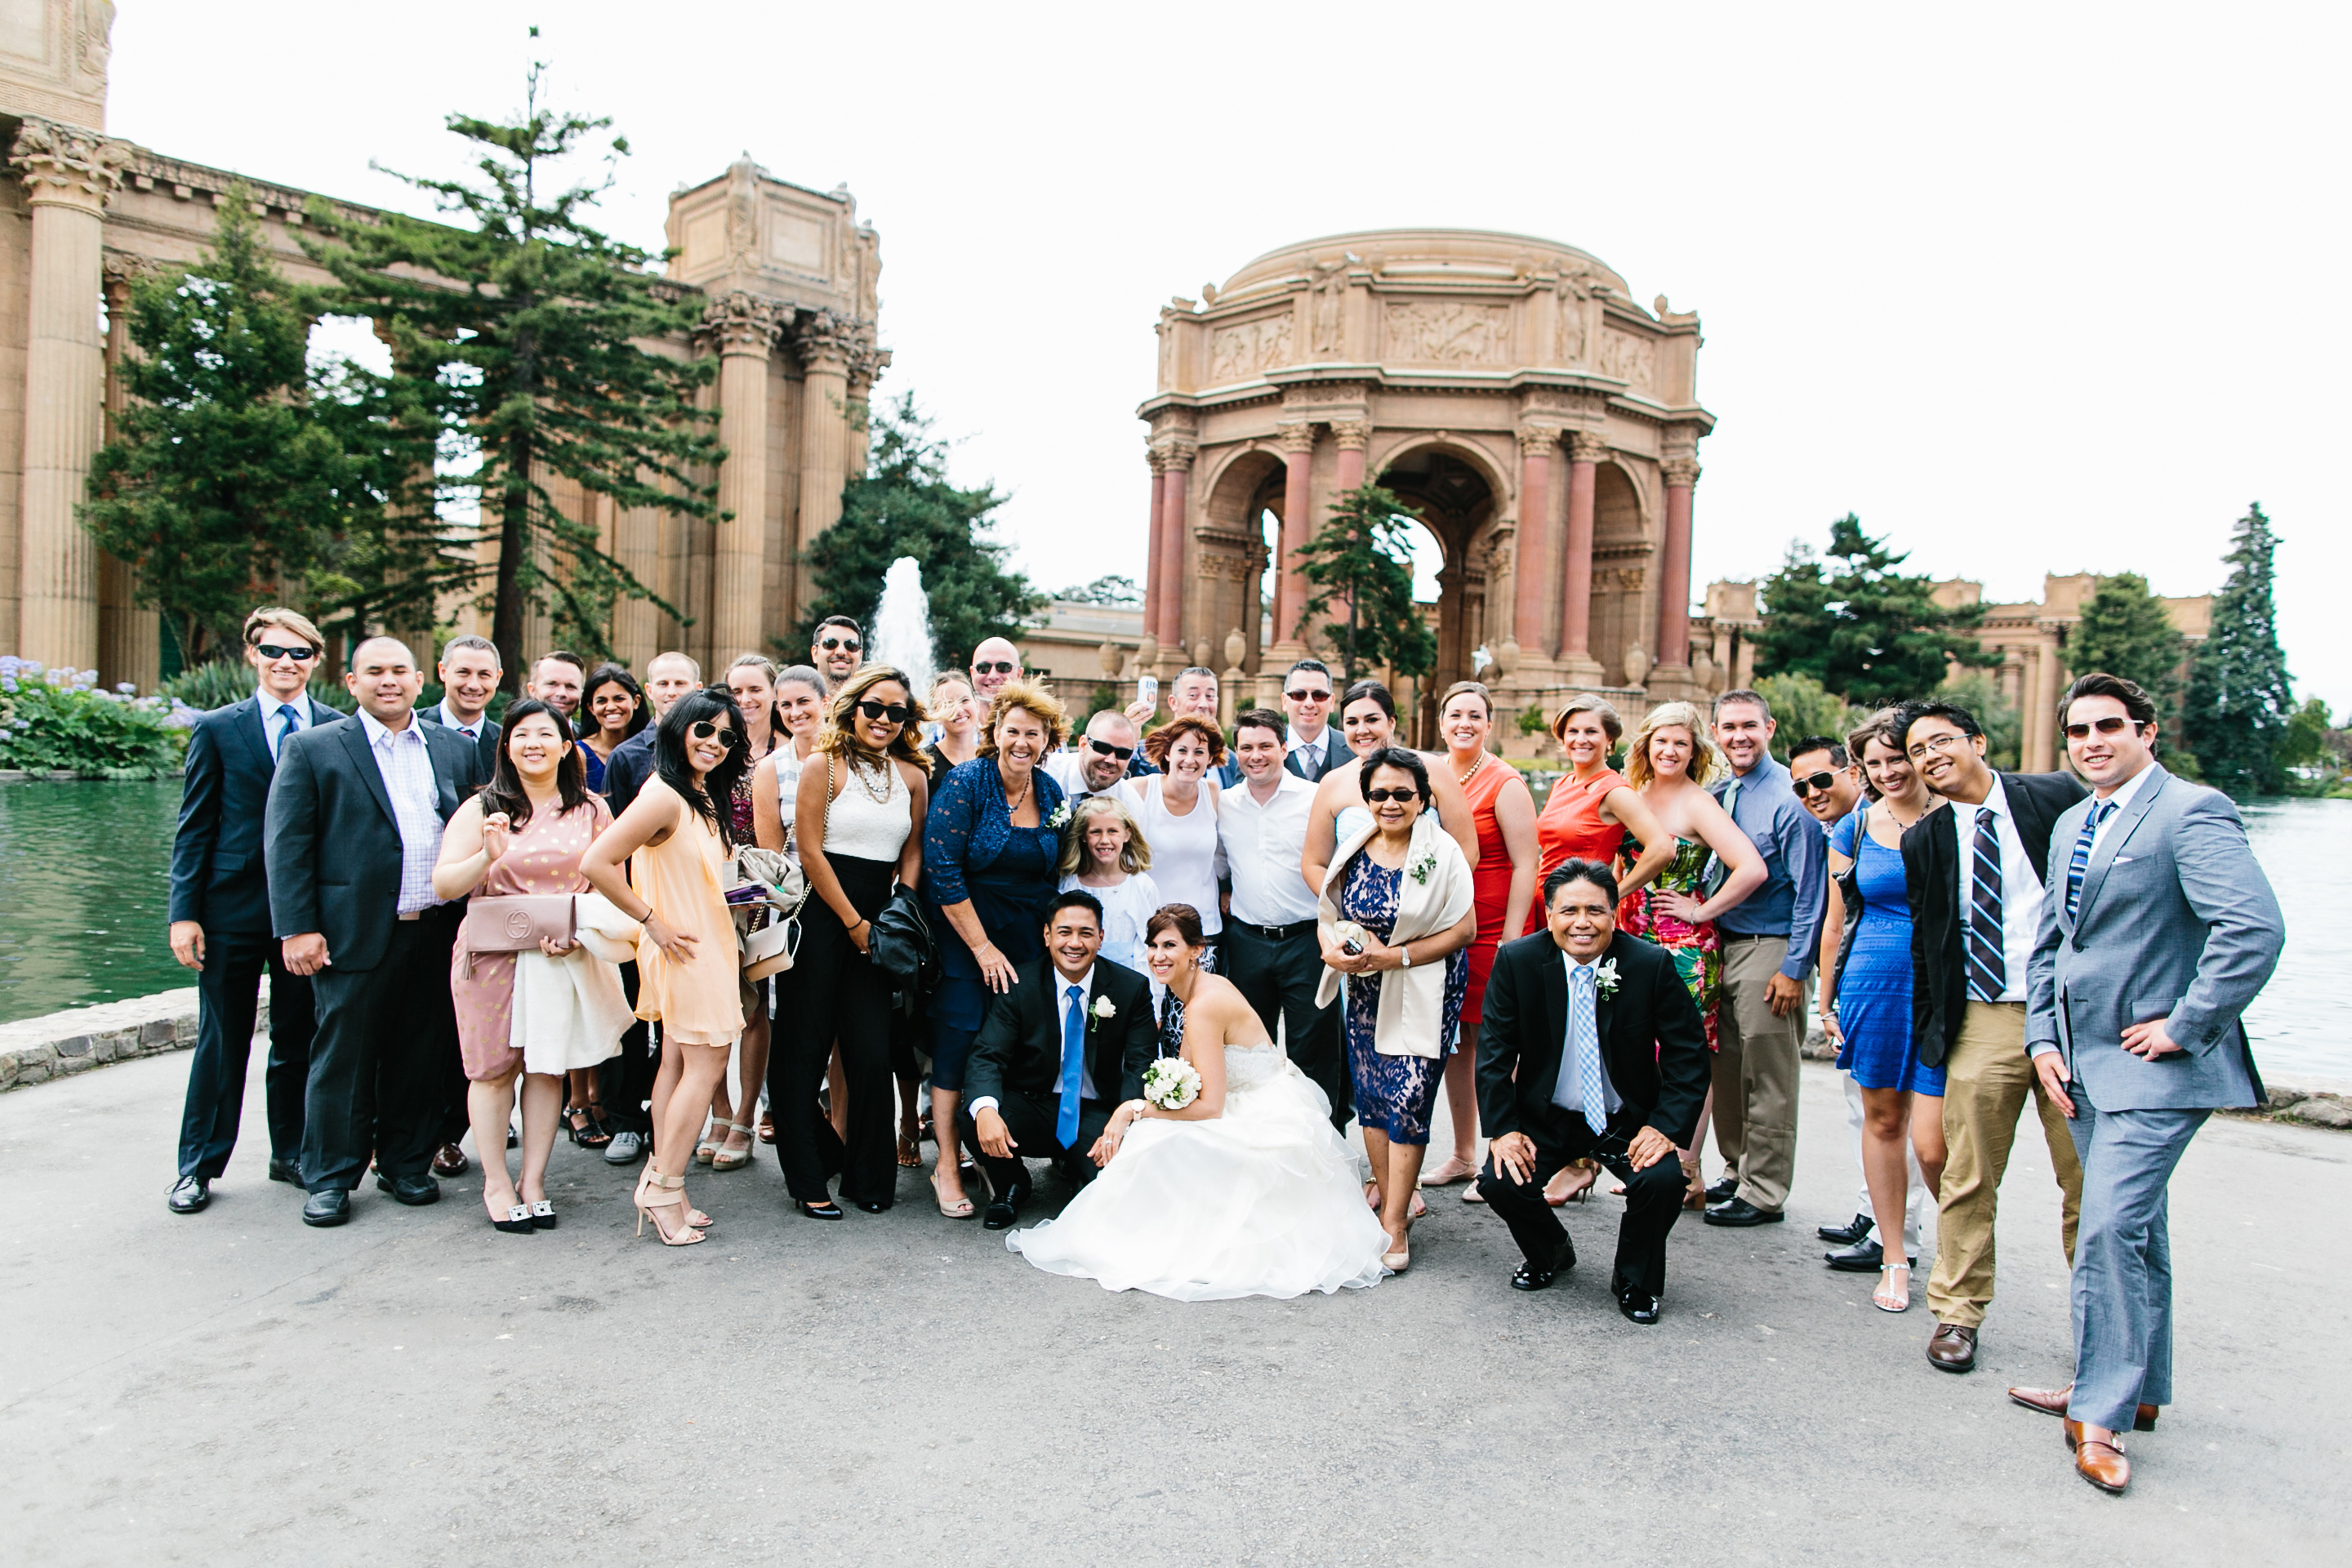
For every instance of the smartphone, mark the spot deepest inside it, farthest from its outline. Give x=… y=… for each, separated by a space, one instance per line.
x=1147 y=690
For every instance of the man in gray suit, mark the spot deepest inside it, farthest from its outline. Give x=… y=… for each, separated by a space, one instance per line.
x=2157 y=929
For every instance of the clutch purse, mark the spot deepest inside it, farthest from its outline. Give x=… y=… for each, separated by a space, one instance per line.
x=515 y=922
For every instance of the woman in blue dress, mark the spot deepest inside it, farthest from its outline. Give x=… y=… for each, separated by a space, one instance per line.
x=1866 y=1006
x=990 y=846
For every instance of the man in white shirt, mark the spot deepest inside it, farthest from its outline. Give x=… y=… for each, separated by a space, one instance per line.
x=1099 y=759
x=1272 y=953
x=1312 y=748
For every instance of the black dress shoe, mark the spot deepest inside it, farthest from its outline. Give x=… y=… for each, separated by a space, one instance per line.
x=1848 y=1233
x=1740 y=1211
x=871 y=1207
x=1723 y=1190
x=189 y=1196
x=1004 y=1209
x=1531 y=1278
x=413 y=1191
x=333 y=1206
x=1861 y=1258
x=286 y=1171
x=1639 y=1307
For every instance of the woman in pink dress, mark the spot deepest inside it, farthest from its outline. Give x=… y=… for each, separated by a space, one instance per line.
x=524 y=834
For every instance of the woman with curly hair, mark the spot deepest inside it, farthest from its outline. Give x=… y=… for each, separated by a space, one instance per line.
x=1176 y=810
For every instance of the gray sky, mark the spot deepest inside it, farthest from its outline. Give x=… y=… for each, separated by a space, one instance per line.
x=2029 y=286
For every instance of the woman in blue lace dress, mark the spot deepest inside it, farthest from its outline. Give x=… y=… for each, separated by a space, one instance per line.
x=990 y=845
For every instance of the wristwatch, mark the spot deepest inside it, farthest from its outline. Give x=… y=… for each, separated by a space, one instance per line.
x=1404 y=956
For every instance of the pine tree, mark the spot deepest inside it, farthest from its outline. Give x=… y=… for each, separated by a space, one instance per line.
x=226 y=476
x=516 y=340
x=1362 y=558
x=2239 y=698
x=904 y=505
x=1866 y=631
x=2126 y=630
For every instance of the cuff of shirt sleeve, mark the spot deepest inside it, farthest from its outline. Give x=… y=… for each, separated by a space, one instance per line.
x=985 y=1103
x=2041 y=1047
x=1795 y=969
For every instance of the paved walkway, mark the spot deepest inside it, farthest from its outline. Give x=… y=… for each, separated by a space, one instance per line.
x=417 y=1388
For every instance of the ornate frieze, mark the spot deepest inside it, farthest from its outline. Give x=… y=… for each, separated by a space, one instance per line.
x=1244 y=349
x=1629 y=358
x=1448 y=332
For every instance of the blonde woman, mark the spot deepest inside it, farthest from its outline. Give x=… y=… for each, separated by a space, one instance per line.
x=1104 y=852
x=958 y=713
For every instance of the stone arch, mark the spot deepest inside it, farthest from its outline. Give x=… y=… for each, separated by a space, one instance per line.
x=1461 y=493
x=1231 y=551
x=1623 y=585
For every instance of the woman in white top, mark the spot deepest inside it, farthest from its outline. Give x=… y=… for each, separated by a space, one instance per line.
x=857 y=817
x=1176 y=811
x=1104 y=852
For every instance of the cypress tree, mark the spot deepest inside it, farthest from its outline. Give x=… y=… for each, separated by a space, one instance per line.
x=1864 y=630
x=2240 y=700
x=1362 y=558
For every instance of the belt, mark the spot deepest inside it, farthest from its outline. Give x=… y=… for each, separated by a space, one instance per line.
x=1726 y=938
x=1272 y=933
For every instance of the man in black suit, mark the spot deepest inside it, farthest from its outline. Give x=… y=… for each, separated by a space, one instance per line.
x=1057 y=1055
x=1589 y=1045
x=355 y=818
x=1314 y=745
x=220 y=911
x=469 y=671
x=1973 y=875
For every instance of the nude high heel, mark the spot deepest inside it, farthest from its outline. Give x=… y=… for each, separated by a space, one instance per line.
x=652 y=1207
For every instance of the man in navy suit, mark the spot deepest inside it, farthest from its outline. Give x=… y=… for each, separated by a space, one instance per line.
x=1314 y=745
x=220 y=911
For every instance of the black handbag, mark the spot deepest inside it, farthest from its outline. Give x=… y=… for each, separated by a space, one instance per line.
x=901 y=944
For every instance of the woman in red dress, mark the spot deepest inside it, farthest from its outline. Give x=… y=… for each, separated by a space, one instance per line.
x=1503 y=886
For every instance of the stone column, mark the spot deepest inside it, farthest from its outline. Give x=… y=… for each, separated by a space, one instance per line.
x=1675 y=564
x=68 y=174
x=130 y=639
x=824 y=341
x=1353 y=436
x=744 y=328
x=2039 y=750
x=1535 y=518
x=1298 y=529
x=867 y=363
x=1176 y=457
x=1154 y=584
x=1584 y=454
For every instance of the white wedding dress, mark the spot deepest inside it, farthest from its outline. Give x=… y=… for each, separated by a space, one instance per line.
x=1263 y=1200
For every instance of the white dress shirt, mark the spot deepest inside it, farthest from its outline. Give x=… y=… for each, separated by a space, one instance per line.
x=273 y=727
x=1263 y=845
x=472 y=731
x=1063 y=1003
x=1567 y=1093
x=2021 y=889
x=406 y=762
x=2114 y=806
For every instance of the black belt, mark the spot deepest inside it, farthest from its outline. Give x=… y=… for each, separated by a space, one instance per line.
x=1726 y=938
x=1271 y=933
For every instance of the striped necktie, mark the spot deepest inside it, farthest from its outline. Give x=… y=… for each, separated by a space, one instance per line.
x=2100 y=812
x=1987 y=969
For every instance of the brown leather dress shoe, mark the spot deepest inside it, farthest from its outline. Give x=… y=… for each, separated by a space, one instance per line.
x=448 y=1160
x=2099 y=1462
x=1952 y=1348
x=2053 y=1402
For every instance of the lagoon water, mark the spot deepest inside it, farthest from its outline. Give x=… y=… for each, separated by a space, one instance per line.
x=84 y=882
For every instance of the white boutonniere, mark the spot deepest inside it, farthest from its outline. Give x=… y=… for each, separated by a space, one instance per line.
x=1604 y=977
x=1421 y=869
x=1061 y=816
x=1102 y=1009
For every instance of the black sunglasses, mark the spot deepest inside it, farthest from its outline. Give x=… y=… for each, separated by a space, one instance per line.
x=1001 y=666
x=298 y=652
x=1811 y=781
x=1107 y=750
x=2110 y=725
x=852 y=643
x=890 y=711
x=1308 y=696
x=704 y=730
x=1378 y=795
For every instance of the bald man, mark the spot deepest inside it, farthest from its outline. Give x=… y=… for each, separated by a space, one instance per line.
x=994 y=664
x=351 y=832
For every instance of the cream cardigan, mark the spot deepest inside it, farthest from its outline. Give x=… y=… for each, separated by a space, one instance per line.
x=1412 y=1001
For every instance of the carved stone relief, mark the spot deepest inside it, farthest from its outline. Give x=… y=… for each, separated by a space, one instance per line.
x=1449 y=332
x=1243 y=349
x=1330 y=296
x=1629 y=358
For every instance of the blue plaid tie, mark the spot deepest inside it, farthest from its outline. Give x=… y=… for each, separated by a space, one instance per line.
x=1074 y=1062
x=2100 y=811
x=1987 y=969
x=1583 y=1056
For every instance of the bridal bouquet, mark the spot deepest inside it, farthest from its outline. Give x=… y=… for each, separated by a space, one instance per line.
x=1172 y=1083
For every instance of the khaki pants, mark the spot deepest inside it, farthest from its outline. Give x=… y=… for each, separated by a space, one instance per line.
x=1756 y=1068
x=1987 y=1077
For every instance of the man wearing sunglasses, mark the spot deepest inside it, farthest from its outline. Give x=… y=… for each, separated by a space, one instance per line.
x=1974 y=878
x=1101 y=758
x=1313 y=745
x=2158 y=930
x=994 y=663
x=837 y=648
x=220 y=911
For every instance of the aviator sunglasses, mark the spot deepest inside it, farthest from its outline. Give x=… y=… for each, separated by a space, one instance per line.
x=890 y=713
x=852 y=643
x=2110 y=725
x=1308 y=696
x=704 y=730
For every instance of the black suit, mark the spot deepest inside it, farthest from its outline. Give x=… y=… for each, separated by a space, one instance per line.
x=1335 y=753
x=387 y=1042
x=1654 y=1048
x=1931 y=885
x=218 y=881
x=1016 y=1059
x=487 y=737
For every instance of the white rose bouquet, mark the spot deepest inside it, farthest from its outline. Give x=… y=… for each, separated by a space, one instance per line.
x=1172 y=1083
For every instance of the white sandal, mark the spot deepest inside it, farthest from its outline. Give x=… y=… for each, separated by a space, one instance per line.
x=1879 y=1297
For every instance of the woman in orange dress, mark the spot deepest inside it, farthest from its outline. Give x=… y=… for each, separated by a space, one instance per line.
x=1503 y=886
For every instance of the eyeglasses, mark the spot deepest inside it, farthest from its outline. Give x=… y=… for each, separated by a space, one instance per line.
x=1944 y=743
x=298 y=652
x=889 y=711
x=704 y=730
x=1107 y=750
x=1001 y=666
x=1811 y=781
x=1308 y=696
x=2110 y=725
x=829 y=644
x=1376 y=795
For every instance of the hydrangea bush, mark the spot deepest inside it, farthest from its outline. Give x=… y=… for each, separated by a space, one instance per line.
x=53 y=720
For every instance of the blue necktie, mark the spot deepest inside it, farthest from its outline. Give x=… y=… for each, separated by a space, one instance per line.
x=2082 y=861
x=1584 y=1051
x=287 y=724
x=1988 y=965
x=1074 y=1062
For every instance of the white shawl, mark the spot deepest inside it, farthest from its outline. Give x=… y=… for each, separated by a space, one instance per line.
x=571 y=1012
x=1412 y=1001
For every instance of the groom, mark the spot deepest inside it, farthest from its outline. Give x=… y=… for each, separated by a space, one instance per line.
x=1589 y=1045
x=1057 y=1054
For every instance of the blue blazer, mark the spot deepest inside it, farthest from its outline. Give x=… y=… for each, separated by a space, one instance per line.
x=217 y=876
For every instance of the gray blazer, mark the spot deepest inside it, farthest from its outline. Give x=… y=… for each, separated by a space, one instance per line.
x=2177 y=921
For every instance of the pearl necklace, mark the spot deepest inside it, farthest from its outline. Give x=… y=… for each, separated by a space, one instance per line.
x=1481 y=763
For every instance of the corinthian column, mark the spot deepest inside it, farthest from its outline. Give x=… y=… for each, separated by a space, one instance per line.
x=1674 y=562
x=1298 y=529
x=1585 y=452
x=68 y=174
x=1353 y=436
x=1536 y=442
x=1176 y=455
x=1152 y=586
x=825 y=341
x=743 y=327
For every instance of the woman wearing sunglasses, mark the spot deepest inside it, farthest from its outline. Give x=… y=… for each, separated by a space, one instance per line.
x=861 y=798
x=676 y=836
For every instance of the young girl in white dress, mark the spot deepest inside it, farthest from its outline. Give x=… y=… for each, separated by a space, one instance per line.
x=1103 y=851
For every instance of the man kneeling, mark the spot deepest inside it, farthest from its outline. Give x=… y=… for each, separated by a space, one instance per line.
x=1589 y=1045
x=1058 y=1052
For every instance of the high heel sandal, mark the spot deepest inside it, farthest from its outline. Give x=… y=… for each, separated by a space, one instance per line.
x=911 y=1152
x=542 y=1216
x=1579 y=1193
x=517 y=1223
x=961 y=1209
x=727 y=1159
x=651 y=1208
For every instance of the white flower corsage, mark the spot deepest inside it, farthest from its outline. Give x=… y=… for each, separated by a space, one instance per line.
x=1421 y=869
x=1172 y=1083
x=1061 y=818
x=1101 y=1010
x=1604 y=977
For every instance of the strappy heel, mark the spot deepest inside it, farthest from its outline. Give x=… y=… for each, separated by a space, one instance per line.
x=1883 y=1298
x=651 y=1208
x=722 y=1158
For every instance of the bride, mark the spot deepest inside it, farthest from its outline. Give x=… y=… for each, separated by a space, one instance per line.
x=1246 y=1191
